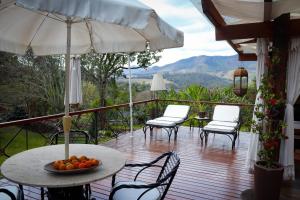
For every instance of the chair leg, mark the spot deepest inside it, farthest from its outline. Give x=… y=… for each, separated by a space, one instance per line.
x=145 y=130
x=151 y=130
x=42 y=193
x=170 y=133
x=176 y=131
x=88 y=191
x=21 y=192
x=235 y=135
x=201 y=135
x=205 y=137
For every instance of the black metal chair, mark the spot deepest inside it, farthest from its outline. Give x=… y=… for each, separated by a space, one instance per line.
x=138 y=190
x=11 y=193
x=75 y=137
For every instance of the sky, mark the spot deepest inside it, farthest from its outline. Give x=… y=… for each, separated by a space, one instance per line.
x=199 y=34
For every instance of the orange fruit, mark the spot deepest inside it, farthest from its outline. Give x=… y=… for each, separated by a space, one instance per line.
x=88 y=163
x=74 y=161
x=73 y=158
x=83 y=158
x=69 y=167
x=95 y=162
x=76 y=165
x=62 y=167
x=82 y=165
x=55 y=164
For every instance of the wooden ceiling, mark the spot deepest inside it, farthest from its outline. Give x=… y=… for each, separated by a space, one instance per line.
x=245 y=31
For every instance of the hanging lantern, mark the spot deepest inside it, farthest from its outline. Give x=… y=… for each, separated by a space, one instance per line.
x=240 y=81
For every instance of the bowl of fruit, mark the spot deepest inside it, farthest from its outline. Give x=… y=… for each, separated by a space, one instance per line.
x=73 y=165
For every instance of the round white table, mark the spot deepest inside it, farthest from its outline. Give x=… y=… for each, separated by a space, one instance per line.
x=27 y=168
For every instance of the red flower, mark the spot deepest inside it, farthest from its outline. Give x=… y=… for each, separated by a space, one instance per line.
x=271 y=144
x=273 y=102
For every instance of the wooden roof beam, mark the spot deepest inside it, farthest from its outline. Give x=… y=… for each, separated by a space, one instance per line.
x=212 y=13
x=216 y=19
x=244 y=31
x=253 y=30
x=247 y=57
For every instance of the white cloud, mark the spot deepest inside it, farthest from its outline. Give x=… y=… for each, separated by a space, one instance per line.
x=199 y=34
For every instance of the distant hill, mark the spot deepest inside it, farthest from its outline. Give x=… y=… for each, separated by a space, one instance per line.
x=209 y=71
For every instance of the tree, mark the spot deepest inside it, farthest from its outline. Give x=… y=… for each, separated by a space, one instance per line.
x=103 y=69
x=35 y=84
x=43 y=83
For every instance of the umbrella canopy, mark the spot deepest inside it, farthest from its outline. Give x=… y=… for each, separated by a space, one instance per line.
x=76 y=27
x=105 y=26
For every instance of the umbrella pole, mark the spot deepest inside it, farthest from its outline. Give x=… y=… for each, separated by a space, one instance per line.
x=67 y=118
x=130 y=97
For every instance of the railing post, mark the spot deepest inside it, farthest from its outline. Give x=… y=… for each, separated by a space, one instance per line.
x=96 y=127
x=26 y=135
x=156 y=107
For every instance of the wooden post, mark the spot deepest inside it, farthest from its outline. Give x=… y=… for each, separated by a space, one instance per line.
x=278 y=68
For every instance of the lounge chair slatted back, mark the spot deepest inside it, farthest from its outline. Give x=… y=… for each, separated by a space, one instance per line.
x=177 y=111
x=226 y=113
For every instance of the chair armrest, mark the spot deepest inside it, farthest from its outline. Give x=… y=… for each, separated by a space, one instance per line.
x=9 y=193
x=136 y=176
x=132 y=186
x=144 y=165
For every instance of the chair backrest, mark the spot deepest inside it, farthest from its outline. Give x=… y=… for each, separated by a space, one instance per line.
x=75 y=137
x=226 y=113
x=180 y=111
x=168 y=172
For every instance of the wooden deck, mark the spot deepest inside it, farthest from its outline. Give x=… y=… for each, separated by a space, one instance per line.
x=212 y=172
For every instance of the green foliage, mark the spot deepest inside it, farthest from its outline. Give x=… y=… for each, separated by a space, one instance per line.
x=89 y=94
x=269 y=125
x=36 y=83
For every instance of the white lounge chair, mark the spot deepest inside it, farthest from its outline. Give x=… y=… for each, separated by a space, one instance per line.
x=225 y=121
x=173 y=116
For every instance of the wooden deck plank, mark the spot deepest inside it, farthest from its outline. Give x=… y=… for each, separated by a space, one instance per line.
x=212 y=172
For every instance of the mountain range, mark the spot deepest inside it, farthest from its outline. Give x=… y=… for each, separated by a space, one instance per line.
x=209 y=71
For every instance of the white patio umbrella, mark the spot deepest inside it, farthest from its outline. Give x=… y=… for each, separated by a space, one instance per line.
x=78 y=26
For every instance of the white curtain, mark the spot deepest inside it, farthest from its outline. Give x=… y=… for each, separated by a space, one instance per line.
x=254 y=147
x=293 y=91
x=75 y=82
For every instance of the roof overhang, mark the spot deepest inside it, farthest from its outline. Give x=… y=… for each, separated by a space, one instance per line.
x=241 y=22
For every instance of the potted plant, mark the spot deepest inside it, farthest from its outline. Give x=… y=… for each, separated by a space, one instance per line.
x=202 y=110
x=267 y=171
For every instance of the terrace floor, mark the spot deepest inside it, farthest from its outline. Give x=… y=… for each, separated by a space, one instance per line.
x=211 y=172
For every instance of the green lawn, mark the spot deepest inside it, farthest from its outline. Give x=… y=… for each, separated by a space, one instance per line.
x=19 y=143
x=34 y=140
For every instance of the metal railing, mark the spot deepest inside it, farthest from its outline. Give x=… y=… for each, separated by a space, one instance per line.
x=116 y=121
